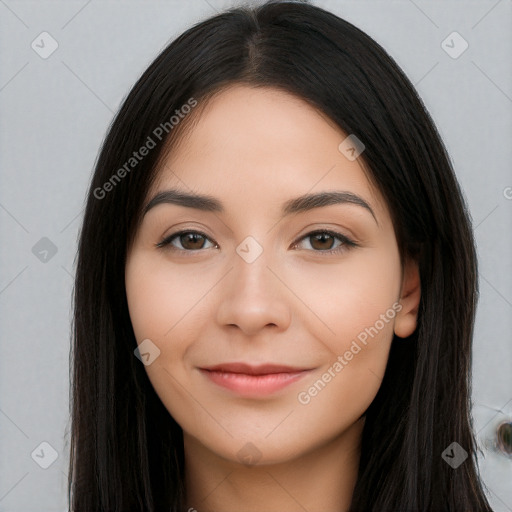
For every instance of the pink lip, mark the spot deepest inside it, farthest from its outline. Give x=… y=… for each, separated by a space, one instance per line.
x=253 y=381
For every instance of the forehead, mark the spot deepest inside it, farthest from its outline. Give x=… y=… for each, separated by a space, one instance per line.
x=249 y=143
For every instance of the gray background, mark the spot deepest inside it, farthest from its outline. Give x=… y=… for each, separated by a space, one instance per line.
x=55 y=112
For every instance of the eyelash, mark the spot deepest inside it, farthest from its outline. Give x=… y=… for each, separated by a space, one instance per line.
x=346 y=244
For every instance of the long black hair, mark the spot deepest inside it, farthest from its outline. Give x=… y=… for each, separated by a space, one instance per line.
x=126 y=449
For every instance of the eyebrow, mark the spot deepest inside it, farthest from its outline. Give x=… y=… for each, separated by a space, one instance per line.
x=292 y=206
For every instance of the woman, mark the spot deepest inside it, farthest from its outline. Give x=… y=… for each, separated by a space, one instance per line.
x=276 y=284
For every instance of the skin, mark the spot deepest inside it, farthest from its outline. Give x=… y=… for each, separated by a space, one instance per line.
x=254 y=149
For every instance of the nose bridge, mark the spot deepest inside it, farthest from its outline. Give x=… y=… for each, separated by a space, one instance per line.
x=251 y=266
x=252 y=297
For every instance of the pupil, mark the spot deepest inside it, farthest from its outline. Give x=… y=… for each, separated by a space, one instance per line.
x=193 y=238
x=321 y=237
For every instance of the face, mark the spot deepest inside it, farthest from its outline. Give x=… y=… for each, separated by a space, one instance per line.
x=257 y=279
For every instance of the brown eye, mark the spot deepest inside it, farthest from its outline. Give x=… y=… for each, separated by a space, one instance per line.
x=326 y=242
x=192 y=241
x=187 y=240
x=322 y=241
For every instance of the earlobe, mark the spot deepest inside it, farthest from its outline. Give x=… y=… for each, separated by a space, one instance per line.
x=407 y=318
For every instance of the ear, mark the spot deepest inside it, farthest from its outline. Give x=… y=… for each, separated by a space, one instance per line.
x=406 y=319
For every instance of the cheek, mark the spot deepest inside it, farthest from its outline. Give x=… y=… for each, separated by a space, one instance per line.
x=348 y=297
x=354 y=307
x=164 y=304
x=158 y=297
x=167 y=304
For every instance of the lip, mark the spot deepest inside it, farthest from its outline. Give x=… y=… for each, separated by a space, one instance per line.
x=253 y=381
x=250 y=369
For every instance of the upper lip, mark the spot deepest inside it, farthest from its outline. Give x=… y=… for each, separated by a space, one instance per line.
x=248 y=369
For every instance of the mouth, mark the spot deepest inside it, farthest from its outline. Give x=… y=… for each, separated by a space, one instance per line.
x=253 y=381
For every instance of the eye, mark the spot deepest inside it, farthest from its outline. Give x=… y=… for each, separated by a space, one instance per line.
x=323 y=241
x=189 y=241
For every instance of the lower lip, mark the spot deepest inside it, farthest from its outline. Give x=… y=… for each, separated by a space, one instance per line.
x=253 y=385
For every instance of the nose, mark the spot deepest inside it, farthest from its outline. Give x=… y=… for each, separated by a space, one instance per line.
x=254 y=296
